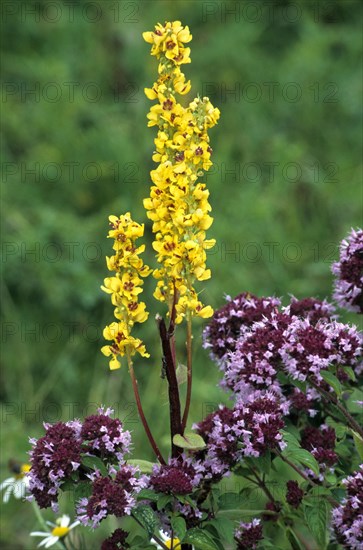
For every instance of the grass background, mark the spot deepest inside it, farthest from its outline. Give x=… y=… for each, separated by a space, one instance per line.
x=285 y=187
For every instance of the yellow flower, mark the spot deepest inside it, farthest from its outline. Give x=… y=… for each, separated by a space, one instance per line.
x=125 y=288
x=178 y=204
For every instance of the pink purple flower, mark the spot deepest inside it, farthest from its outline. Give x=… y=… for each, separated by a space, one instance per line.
x=54 y=458
x=179 y=477
x=255 y=362
x=248 y=535
x=249 y=429
x=104 y=436
x=348 y=286
x=230 y=320
x=308 y=349
x=111 y=495
x=347 y=519
x=311 y=308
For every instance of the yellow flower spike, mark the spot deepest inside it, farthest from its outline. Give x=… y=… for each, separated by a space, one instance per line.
x=178 y=205
x=125 y=288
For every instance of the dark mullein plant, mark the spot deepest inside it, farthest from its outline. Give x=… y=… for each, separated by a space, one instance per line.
x=290 y=441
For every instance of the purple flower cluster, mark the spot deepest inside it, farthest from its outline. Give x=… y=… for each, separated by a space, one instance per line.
x=111 y=495
x=311 y=308
x=179 y=477
x=248 y=535
x=256 y=359
x=301 y=340
x=229 y=321
x=57 y=455
x=116 y=541
x=53 y=459
x=308 y=349
x=103 y=436
x=304 y=402
x=347 y=519
x=294 y=494
x=348 y=287
x=321 y=444
x=249 y=429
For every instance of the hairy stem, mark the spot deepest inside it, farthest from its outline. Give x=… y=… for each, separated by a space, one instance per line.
x=174 y=399
x=261 y=483
x=189 y=372
x=141 y=411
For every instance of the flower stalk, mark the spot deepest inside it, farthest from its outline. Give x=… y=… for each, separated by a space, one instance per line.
x=173 y=388
x=189 y=373
x=140 y=409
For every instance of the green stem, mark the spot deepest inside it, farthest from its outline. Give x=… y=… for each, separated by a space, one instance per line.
x=261 y=483
x=304 y=476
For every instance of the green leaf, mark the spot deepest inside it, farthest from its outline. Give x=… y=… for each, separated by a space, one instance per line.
x=148 y=494
x=262 y=463
x=145 y=466
x=350 y=373
x=94 y=463
x=229 y=501
x=200 y=539
x=163 y=501
x=358 y=441
x=316 y=519
x=190 y=441
x=81 y=490
x=146 y=516
x=225 y=528
x=291 y=441
x=179 y=526
x=68 y=485
x=340 y=429
x=303 y=457
x=352 y=403
x=332 y=380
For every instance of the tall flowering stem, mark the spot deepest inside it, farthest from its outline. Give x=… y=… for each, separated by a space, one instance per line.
x=125 y=287
x=178 y=204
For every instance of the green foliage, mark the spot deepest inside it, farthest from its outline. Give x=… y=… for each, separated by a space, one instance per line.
x=190 y=441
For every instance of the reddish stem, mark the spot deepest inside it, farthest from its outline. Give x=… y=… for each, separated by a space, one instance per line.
x=174 y=399
x=142 y=415
x=189 y=373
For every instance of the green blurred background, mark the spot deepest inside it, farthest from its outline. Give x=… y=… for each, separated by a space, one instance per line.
x=285 y=187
